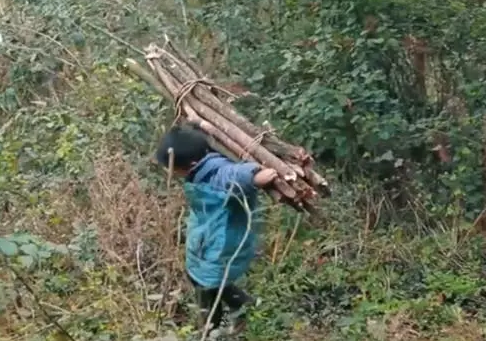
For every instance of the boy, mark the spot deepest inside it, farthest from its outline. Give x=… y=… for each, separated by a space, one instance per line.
x=215 y=188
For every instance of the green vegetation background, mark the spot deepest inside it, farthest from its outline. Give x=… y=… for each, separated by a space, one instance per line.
x=390 y=95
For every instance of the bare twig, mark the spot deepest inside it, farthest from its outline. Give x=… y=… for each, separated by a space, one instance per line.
x=114 y=37
x=47 y=304
x=244 y=203
x=51 y=39
x=179 y=226
x=292 y=236
x=479 y=217
x=171 y=167
x=140 y=273
x=276 y=246
x=184 y=14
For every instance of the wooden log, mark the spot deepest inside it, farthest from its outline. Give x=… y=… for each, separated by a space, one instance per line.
x=276 y=194
x=298 y=194
x=266 y=158
x=297 y=169
x=185 y=73
x=303 y=189
x=227 y=145
x=192 y=116
x=178 y=53
x=317 y=181
x=148 y=77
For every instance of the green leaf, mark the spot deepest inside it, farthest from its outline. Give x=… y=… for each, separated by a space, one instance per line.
x=22 y=238
x=377 y=41
x=388 y=156
x=62 y=249
x=30 y=249
x=7 y=247
x=342 y=99
x=26 y=261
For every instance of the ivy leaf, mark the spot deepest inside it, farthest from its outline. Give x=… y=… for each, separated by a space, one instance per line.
x=29 y=249
x=26 y=261
x=7 y=247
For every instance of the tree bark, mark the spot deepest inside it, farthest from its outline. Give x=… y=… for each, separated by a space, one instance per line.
x=186 y=73
x=266 y=158
x=180 y=80
x=192 y=116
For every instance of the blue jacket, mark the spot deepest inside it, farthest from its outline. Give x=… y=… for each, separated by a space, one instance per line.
x=217 y=221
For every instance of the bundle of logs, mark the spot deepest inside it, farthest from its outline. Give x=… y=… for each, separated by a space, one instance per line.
x=200 y=101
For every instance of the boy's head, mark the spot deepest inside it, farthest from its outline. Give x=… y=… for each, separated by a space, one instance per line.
x=189 y=145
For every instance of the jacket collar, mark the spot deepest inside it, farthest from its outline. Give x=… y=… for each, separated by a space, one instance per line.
x=203 y=168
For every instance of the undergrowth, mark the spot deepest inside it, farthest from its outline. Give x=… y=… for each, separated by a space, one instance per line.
x=92 y=244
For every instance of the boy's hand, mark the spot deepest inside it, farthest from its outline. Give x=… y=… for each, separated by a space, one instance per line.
x=265 y=177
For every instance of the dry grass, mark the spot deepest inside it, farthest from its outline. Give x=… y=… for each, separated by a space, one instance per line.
x=464 y=331
x=137 y=232
x=127 y=215
x=4 y=66
x=138 y=228
x=400 y=327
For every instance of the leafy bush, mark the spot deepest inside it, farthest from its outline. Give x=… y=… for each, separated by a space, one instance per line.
x=388 y=94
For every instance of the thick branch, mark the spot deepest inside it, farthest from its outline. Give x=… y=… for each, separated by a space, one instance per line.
x=192 y=116
x=184 y=73
x=178 y=78
x=261 y=154
x=317 y=181
x=146 y=76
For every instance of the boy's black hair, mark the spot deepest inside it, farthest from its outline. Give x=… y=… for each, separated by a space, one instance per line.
x=188 y=143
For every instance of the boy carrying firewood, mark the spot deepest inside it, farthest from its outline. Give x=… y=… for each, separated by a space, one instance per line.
x=219 y=193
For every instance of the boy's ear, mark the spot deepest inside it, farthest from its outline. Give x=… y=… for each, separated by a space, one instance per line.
x=193 y=163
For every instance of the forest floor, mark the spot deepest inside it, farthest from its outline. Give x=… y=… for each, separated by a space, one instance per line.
x=96 y=227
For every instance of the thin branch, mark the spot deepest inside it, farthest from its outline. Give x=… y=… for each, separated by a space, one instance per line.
x=292 y=236
x=140 y=273
x=179 y=226
x=53 y=40
x=479 y=217
x=248 y=212
x=171 y=167
x=184 y=13
x=114 y=37
x=276 y=246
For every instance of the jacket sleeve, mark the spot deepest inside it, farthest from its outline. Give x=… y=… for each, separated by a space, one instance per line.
x=239 y=177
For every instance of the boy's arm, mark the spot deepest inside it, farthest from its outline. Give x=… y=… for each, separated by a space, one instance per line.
x=248 y=175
